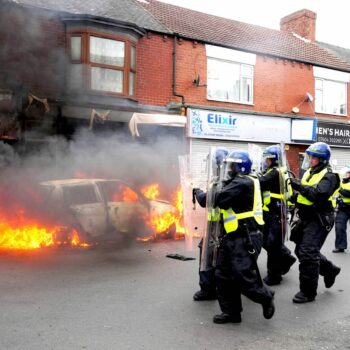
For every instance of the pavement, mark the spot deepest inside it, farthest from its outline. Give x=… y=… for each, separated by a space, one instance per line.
x=137 y=298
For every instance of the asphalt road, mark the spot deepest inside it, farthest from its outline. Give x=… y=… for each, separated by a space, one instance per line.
x=136 y=298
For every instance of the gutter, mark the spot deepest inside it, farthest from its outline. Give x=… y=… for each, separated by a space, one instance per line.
x=174 y=73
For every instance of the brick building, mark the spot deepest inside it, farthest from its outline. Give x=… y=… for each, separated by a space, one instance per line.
x=66 y=65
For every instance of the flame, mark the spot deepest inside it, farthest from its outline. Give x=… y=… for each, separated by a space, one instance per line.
x=127 y=195
x=33 y=236
x=169 y=222
x=151 y=191
x=19 y=231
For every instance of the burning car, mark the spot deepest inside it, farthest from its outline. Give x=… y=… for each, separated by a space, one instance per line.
x=105 y=209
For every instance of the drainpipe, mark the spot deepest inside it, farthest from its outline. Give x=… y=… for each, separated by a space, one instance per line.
x=174 y=73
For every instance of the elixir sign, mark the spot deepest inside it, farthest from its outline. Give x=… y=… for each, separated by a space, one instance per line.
x=233 y=126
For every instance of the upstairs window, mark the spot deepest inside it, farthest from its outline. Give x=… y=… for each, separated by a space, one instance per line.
x=110 y=63
x=330 y=91
x=230 y=75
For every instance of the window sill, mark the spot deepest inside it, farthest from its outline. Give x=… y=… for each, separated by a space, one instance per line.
x=228 y=101
x=336 y=114
x=111 y=94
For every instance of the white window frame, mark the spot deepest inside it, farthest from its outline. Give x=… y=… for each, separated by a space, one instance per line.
x=323 y=75
x=237 y=58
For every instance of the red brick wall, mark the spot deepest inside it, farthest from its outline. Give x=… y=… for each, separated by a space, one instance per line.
x=32 y=53
x=154 y=70
x=302 y=22
x=279 y=85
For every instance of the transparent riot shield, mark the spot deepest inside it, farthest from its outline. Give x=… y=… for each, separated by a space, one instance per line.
x=255 y=153
x=212 y=230
x=187 y=205
x=284 y=189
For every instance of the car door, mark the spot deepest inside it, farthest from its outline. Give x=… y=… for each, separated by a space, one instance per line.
x=88 y=207
x=127 y=209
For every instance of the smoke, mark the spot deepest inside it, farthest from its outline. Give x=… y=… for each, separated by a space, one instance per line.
x=88 y=155
x=30 y=56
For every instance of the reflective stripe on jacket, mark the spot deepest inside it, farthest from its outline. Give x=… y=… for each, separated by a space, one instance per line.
x=313 y=182
x=346 y=187
x=231 y=218
x=267 y=195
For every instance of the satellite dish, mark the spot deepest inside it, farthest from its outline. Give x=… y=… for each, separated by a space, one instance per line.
x=309 y=97
x=197 y=80
x=295 y=110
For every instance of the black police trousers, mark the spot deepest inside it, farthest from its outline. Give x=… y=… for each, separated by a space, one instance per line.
x=311 y=262
x=278 y=255
x=207 y=278
x=235 y=274
x=341 y=223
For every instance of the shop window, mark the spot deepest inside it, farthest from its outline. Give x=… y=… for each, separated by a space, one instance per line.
x=230 y=75
x=330 y=97
x=102 y=63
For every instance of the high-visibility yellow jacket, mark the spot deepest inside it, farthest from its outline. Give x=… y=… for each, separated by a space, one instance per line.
x=231 y=219
x=313 y=181
x=345 y=186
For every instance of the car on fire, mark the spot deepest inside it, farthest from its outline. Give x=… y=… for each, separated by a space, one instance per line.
x=104 y=209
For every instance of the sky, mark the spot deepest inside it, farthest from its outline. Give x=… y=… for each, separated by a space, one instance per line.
x=332 y=24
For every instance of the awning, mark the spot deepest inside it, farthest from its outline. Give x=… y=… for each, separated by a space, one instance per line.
x=158 y=119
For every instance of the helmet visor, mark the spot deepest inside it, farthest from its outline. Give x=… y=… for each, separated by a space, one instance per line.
x=306 y=164
x=231 y=168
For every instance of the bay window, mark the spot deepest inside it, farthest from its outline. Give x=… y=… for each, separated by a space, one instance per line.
x=109 y=63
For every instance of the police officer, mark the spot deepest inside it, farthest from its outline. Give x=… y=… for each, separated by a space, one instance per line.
x=343 y=214
x=207 y=283
x=316 y=213
x=279 y=257
x=236 y=269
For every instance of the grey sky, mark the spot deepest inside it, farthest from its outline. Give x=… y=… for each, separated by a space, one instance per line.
x=332 y=25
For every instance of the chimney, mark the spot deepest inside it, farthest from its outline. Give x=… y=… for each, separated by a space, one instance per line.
x=302 y=22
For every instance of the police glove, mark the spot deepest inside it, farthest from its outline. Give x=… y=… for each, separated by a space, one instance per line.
x=340 y=203
x=295 y=183
x=196 y=190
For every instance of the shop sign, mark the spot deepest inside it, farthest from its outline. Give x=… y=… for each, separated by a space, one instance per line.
x=333 y=133
x=231 y=126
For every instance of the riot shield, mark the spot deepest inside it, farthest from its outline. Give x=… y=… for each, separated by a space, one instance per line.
x=212 y=229
x=186 y=189
x=255 y=153
x=284 y=189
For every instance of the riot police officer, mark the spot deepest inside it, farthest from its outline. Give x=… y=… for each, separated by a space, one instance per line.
x=314 y=202
x=207 y=276
x=236 y=269
x=279 y=257
x=343 y=214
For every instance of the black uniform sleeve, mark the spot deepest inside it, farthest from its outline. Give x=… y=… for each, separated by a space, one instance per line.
x=201 y=197
x=229 y=196
x=269 y=180
x=345 y=193
x=324 y=189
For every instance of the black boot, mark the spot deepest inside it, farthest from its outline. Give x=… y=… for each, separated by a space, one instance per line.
x=269 y=309
x=227 y=318
x=338 y=250
x=288 y=264
x=271 y=280
x=204 y=295
x=301 y=298
x=330 y=278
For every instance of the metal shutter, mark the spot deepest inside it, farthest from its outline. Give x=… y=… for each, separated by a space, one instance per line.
x=199 y=150
x=340 y=157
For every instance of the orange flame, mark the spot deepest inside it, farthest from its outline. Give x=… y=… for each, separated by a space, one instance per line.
x=169 y=220
x=151 y=191
x=21 y=232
